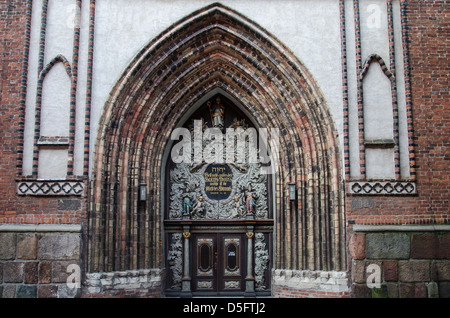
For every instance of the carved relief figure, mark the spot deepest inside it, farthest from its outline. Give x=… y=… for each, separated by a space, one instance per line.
x=199 y=209
x=187 y=203
x=238 y=211
x=250 y=202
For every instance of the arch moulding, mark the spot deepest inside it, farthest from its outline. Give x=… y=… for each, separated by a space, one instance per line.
x=215 y=49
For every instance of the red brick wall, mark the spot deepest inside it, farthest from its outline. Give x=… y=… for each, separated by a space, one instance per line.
x=13 y=20
x=14 y=208
x=429 y=55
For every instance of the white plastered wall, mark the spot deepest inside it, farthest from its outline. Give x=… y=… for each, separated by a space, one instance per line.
x=309 y=28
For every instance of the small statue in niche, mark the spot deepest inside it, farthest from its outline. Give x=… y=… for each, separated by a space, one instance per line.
x=217 y=113
x=199 y=209
x=250 y=200
x=237 y=211
x=187 y=203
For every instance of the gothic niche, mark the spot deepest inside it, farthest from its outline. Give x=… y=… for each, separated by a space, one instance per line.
x=215 y=170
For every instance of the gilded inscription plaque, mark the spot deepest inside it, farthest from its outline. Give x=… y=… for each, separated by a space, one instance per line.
x=218 y=181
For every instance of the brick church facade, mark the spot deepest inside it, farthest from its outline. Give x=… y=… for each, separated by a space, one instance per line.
x=350 y=200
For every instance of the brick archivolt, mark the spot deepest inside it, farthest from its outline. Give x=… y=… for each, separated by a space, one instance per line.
x=215 y=49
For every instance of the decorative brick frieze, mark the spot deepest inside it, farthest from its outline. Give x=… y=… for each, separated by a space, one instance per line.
x=51 y=187
x=381 y=187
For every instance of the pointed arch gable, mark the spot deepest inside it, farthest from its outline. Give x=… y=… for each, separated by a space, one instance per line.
x=215 y=48
x=375 y=58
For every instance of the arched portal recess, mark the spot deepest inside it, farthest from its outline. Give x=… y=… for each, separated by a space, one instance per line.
x=214 y=49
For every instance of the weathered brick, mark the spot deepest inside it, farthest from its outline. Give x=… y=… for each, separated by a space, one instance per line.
x=27 y=246
x=441 y=270
x=387 y=245
x=59 y=246
x=69 y=204
x=392 y=290
x=13 y=272
x=9 y=291
x=45 y=272
x=381 y=292
x=444 y=289
x=420 y=291
x=31 y=272
x=406 y=290
x=444 y=246
x=47 y=291
x=359 y=271
x=361 y=291
x=357 y=246
x=26 y=291
x=7 y=246
x=59 y=271
x=390 y=271
x=414 y=271
x=424 y=245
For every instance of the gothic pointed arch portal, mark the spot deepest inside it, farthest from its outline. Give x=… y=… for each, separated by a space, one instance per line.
x=214 y=51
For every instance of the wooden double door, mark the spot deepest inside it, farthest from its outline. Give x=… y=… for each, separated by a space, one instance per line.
x=218 y=264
